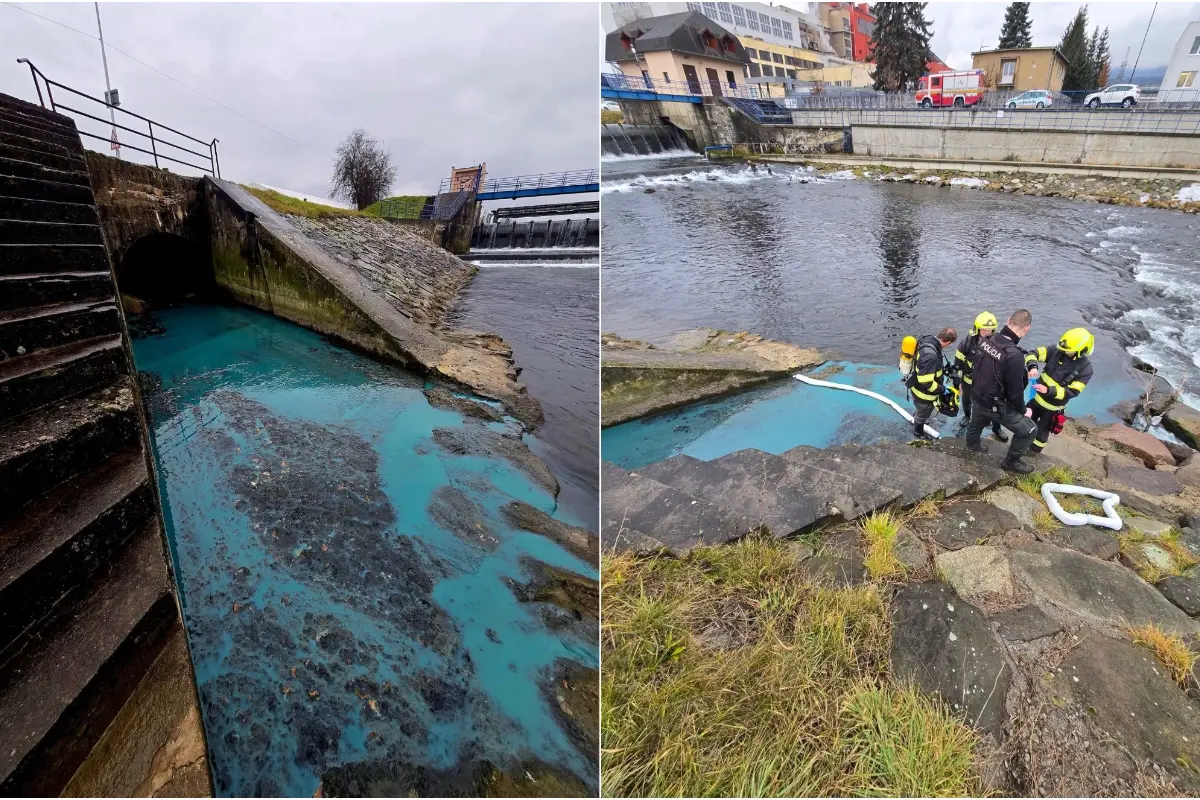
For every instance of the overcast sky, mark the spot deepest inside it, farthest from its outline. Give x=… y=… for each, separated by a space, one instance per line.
x=960 y=28
x=441 y=85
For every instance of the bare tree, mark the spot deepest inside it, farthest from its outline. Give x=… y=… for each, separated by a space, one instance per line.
x=363 y=170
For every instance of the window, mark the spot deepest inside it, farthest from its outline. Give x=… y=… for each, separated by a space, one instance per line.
x=646 y=78
x=729 y=78
x=1185 y=80
x=752 y=20
x=723 y=10
x=695 y=7
x=866 y=27
x=666 y=77
x=791 y=73
x=778 y=59
x=787 y=30
x=776 y=27
x=845 y=23
x=755 y=70
x=710 y=10
x=767 y=71
x=791 y=62
x=763 y=55
x=1008 y=71
x=739 y=16
x=750 y=51
x=1195 y=46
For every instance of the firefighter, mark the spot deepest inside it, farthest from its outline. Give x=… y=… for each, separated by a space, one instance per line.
x=985 y=325
x=1066 y=372
x=998 y=383
x=926 y=382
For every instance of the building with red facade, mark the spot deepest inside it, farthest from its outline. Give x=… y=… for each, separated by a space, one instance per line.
x=850 y=27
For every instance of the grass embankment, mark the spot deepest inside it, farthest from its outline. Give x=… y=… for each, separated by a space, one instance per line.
x=285 y=204
x=610 y=117
x=412 y=204
x=728 y=674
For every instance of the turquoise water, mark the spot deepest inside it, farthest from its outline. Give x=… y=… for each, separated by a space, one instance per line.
x=344 y=570
x=788 y=413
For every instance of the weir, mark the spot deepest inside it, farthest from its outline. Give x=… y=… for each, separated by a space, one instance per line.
x=639 y=140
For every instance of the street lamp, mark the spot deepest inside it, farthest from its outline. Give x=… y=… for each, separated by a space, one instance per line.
x=111 y=99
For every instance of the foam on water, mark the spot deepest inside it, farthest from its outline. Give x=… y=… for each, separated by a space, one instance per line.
x=738 y=176
x=343 y=564
x=1189 y=194
x=627 y=157
x=973 y=183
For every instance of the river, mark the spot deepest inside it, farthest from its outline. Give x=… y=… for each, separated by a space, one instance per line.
x=343 y=563
x=850 y=266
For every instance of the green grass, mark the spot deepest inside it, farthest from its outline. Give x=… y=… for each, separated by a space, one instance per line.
x=293 y=205
x=610 y=117
x=1181 y=558
x=880 y=531
x=791 y=696
x=1032 y=483
x=415 y=201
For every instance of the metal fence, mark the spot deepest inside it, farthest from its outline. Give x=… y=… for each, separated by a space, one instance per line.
x=519 y=183
x=153 y=135
x=823 y=97
x=1137 y=120
x=701 y=88
x=406 y=208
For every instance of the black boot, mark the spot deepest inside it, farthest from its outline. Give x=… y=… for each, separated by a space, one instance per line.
x=978 y=447
x=1010 y=464
x=999 y=435
x=919 y=431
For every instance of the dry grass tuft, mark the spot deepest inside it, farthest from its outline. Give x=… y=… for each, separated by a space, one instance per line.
x=795 y=698
x=880 y=531
x=1171 y=650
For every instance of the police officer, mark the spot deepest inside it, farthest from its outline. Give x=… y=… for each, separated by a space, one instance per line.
x=1068 y=370
x=998 y=391
x=926 y=383
x=964 y=358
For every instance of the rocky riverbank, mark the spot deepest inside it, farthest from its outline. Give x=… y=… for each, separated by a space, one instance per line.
x=638 y=379
x=1144 y=192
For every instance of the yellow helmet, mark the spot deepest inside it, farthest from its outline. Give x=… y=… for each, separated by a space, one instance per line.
x=986 y=321
x=1077 y=341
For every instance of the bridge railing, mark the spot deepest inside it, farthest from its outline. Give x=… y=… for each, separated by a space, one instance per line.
x=204 y=153
x=702 y=88
x=549 y=180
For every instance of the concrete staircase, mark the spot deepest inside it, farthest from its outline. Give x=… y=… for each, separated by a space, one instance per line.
x=682 y=502
x=87 y=603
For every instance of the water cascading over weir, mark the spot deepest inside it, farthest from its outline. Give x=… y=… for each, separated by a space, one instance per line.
x=618 y=139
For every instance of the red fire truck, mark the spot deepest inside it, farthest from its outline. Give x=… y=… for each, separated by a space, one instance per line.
x=957 y=89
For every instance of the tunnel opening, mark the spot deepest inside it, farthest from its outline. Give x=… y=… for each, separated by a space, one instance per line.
x=163 y=269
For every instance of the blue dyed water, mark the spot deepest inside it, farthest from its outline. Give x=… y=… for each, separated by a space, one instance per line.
x=344 y=569
x=789 y=413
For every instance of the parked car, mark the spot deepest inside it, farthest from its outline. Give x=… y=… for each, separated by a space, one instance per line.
x=1034 y=98
x=1120 y=94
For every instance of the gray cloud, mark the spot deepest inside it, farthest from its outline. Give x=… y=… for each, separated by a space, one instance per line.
x=960 y=28
x=441 y=84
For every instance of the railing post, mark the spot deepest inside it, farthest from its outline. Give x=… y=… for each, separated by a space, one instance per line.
x=216 y=156
x=153 y=148
x=33 y=74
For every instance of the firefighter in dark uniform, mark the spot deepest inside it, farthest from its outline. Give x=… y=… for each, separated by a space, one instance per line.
x=998 y=391
x=985 y=325
x=1066 y=373
x=926 y=381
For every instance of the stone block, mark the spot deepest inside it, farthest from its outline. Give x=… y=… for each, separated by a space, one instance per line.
x=1086 y=539
x=1184 y=422
x=1026 y=624
x=1149 y=449
x=1151 y=528
x=1153 y=482
x=1017 y=503
x=1075 y=452
x=910 y=550
x=1183 y=591
x=971 y=522
x=978 y=571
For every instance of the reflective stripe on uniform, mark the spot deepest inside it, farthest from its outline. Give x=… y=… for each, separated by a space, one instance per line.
x=1047 y=404
x=929 y=378
x=1037 y=443
x=924 y=396
x=1077 y=386
x=967 y=379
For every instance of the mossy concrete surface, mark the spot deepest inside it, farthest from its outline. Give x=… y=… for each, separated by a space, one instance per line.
x=638 y=379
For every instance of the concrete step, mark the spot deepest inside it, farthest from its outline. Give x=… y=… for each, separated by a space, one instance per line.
x=639 y=513
x=30 y=171
x=42 y=146
x=985 y=473
x=55 y=233
x=40 y=451
x=35 y=189
x=14 y=125
x=50 y=548
x=757 y=485
x=925 y=478
x=22 y=291
x=53 y=123
x=11 y=104
x=26 y=330
x=47 y=211
x=57 y=373
x=38 y=259
x=61 y=690
x=843 y=460
x=51 y=156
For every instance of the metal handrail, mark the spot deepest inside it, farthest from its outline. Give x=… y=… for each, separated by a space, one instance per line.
x=702 y=88
x=546 y=180
x=214 y=162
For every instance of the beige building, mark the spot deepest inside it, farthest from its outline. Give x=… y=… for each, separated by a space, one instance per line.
x=1022 y=69
x=854 y=75
x=685 y=52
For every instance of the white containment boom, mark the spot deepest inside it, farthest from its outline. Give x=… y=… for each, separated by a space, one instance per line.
x=1108 y=501
x=831 y=385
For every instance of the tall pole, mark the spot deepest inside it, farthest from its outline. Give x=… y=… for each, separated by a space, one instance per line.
x=112 y=113
x=1147 y=33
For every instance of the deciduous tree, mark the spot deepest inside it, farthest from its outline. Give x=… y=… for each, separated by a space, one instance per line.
x=362 y=170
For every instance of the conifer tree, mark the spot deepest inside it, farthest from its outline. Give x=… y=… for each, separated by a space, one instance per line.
x=1103 y=61
x=1016 y=30
x=900 y=45
x=1074 y=47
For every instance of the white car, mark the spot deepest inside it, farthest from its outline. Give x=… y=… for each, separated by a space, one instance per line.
x=1034 y=98
x=1120 y=94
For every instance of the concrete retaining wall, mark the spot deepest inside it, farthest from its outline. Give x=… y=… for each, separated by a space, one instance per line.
x=702 y=124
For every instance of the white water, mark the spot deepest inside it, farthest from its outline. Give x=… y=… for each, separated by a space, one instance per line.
x=1189 y=194
x=547 y=264
x=738 y=176
x=971 y=183
x=625 y=157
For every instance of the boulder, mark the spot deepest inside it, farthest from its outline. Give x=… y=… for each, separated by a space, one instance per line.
x=1157 y=483
x=835 y=571
x=1150 y=528
x=1189 y=538
x=1129 y=696
x=1184 y=422
x=1183 y=591
x=978 y=572
x=1149 y=449
x=910 y=550
x=1162 y=396
x=1017 y=503
x=1086 y=539
x=1097 y=591
x=947 y=648
x=1026 y=624
x=1189 y=474
x=1183 y=454
x=970 y=522
x=1075 y=452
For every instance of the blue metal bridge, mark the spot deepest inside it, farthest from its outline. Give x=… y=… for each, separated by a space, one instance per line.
x=552 y=183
